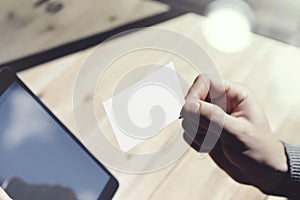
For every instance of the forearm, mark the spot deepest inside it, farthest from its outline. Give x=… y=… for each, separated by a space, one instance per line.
x=290 y=186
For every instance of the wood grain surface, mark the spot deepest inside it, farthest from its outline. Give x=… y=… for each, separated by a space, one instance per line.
x=270 y=68
x=27 y=29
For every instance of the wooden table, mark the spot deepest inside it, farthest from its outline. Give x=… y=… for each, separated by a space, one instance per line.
x=24 y=24
x=270 y=68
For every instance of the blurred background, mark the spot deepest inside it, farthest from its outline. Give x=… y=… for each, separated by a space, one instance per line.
x=36 y=31
x=255 y=42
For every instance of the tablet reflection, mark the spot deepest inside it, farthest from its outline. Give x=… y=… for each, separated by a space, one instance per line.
x=18 y=189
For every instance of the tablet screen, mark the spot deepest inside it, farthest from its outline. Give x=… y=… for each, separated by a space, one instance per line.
x=38 y=159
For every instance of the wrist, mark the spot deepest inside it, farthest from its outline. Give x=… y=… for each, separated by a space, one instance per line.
x=279 y=171
x=282 y=166
x=290 y=180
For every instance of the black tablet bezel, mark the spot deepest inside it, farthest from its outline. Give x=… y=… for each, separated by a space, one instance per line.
x=7 y=77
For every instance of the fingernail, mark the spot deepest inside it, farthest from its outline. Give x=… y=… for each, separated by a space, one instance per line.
x=193 y=107
x=190 y=107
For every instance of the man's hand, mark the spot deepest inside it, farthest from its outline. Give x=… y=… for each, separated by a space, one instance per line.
x=247 y=149
x=3 y=195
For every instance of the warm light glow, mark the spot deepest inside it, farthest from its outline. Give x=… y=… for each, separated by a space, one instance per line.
x=227 y=29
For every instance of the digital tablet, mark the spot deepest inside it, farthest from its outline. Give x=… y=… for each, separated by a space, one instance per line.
x=40 y=159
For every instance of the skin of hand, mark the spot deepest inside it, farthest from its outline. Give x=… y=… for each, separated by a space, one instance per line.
x=246 y=149
x=3 y=195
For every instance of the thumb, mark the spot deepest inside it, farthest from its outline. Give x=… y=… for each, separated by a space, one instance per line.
x=211 y=112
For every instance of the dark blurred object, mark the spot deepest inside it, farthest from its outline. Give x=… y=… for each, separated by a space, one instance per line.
x=19 y=190
x=197 y=6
